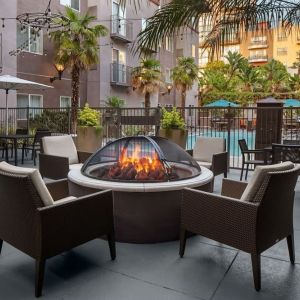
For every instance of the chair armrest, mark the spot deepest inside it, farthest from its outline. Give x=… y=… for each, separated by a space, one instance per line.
x=58 y=189
x=254 y=151
x=219 y=163
x=83 y=156
x=54 y=167
x=223 y=219
x=190 y=152
x=69 y=224
x=232 y=188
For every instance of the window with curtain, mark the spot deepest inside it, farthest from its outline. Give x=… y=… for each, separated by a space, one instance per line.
x=34 y=102
x=28 y=40
x=75 y=4
x=65 y=101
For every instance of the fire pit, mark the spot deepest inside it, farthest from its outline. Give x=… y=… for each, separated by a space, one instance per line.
x=146 y=175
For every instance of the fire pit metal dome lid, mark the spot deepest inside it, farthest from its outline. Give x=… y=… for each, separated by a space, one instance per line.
x=141 y=159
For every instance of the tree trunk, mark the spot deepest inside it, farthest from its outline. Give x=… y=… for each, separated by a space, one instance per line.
x=75 y=96
x=147 y=104
x=183 y=97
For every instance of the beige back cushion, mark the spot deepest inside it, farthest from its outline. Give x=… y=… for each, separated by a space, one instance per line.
x=61 y=146
x=258 y=177
x=35 y=177
x=205 y=148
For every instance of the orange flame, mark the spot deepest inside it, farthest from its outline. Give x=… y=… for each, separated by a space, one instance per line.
x=143 y=164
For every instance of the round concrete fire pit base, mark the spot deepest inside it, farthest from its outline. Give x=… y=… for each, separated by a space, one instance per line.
x=143 y=212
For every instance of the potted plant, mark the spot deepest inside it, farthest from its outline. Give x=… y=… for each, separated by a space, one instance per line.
x=89 y=129
x=173 y=127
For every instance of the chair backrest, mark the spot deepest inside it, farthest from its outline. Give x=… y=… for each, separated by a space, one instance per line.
x=281 y=153
x=291 y=142
x=275 y=212
x=243 y=145
x=251 y=193
x=39 y=134
x=204 y=148
x=60 y=146
x=21 y=131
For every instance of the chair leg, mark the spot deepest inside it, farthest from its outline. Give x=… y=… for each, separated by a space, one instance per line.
x=246 y=174
x=23 y=152
x=1 y=244
x=242 y=171
x=112 y=245
x=39 y=276
x=256 y=269
x=291 y=246
x=182 y=242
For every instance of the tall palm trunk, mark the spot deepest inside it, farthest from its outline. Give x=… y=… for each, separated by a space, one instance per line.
x=147 y=104
x=183 y=97
x=75 y=96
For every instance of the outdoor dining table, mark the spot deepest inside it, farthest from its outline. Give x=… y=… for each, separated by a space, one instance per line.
x=14 y=138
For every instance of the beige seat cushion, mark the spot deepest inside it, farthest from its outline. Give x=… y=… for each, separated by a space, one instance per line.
x=66 y=199
x=258 y=177
x=35 y=177
x=205 y=148
x=75 y=166
x=60 y=146
x=204 y=164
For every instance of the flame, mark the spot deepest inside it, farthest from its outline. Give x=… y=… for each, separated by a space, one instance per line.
x=143 y=164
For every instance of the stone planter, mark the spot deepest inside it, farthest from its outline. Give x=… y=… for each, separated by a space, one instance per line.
x=89 y=139
x=178 y=136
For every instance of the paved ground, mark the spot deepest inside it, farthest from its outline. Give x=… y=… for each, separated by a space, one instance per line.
x=155 y=272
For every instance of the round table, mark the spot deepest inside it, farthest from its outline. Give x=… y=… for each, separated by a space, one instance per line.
x=143 y=212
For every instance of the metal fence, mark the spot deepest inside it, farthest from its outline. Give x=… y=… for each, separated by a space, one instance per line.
x=258 y=126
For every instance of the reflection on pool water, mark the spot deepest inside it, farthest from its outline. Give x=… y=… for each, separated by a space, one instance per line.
x=235 y=135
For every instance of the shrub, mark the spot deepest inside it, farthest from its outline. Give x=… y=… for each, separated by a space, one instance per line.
x=89 y=117
x=172 y=119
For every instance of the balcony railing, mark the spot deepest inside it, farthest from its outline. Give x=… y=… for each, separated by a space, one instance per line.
x=258 y=58
x=121 y=29
x=120 y=74
x=258 y=44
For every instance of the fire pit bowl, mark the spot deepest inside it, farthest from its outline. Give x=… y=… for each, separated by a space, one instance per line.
x=146 y=175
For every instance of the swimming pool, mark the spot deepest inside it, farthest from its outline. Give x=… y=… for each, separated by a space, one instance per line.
x=235 y=135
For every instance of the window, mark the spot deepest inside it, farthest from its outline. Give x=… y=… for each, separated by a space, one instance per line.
x=29 y=40
x=144 y=23
x=119 y=69
x=118 y=19
x=168 y=75
x=259 y=40
x=193 y=51
x=258 y=53
x=282 y=51
x=65 y=101
x=205 y=27
x=169 y=43
x=232 y=48
x=34 y=102
x=75 y=4
x=203 y=58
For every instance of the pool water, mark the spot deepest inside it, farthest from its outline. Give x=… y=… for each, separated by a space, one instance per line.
x=235 y=135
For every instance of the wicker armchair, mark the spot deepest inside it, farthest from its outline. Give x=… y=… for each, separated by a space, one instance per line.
x=58 y=155
x=211 y=153
x=30 y=223
x=252 y=227
x=285 y=152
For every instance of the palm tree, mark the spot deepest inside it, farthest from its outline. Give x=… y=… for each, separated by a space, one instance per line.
x=235 y=61
x=147 y=78
x=78 y=49
x=226 y=17
x=184 y=76
x=294 y=82
x=249 y=76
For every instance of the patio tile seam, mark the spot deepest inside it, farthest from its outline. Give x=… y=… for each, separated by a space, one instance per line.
x=222 y=279
x=279 y=259
x=218 y=246
x=153 y=284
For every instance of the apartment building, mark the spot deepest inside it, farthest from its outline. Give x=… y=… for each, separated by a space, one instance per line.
x=111 y=77
x=257 y=46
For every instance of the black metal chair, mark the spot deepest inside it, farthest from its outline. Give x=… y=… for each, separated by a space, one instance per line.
x=281 y=153
x=248 y=157
x=35 y=146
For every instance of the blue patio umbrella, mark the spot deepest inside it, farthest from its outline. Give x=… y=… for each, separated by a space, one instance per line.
x=221 y=103
x=291 y=103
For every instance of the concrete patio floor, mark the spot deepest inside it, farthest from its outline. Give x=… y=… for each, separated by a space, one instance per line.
x=209 y=270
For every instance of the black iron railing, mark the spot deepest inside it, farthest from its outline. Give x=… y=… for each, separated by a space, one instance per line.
x=258 y=126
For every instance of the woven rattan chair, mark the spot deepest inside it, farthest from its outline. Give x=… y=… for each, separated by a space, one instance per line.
x=211 y=153
x=43 y=231
x=248 y=157
x=252 y=227
x=58 y=155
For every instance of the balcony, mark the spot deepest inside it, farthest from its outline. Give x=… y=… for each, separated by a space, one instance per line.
x=121 y=29
x=120 y=75
x=258 y=44
x=258 y=58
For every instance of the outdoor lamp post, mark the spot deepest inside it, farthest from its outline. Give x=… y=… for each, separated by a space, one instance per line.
x=60 y=69
x=169 y=88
